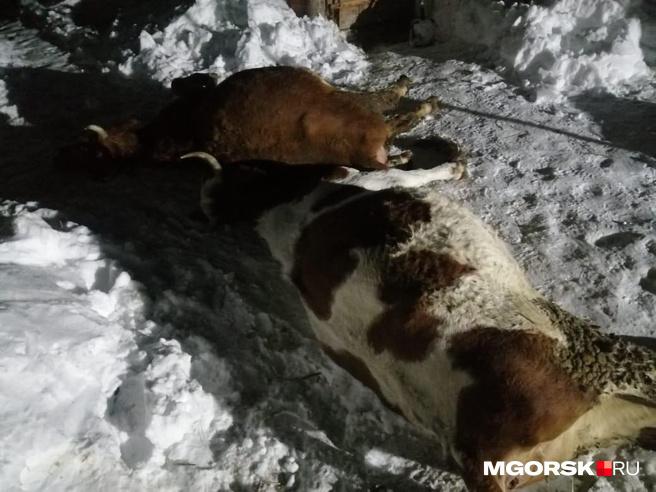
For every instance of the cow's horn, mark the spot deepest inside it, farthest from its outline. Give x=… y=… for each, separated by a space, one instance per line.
x=98 y=130
x=206 y=157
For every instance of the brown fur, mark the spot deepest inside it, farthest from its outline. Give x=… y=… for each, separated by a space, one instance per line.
x=647 y=438
x=406 y=329
x=325 y=255
x=423 y=271
x=594 y=359
x=325 y=258
x=289 y=115
x=122 y=140
x=383 y=100
x=520 y=396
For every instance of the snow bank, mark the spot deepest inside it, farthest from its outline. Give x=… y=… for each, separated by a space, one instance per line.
x=81 y=403
x=56 y=374
x=567 y=47
x=226 y=36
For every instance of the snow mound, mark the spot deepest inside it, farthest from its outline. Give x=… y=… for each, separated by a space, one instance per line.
x=227 y=36
x=576 y=45
x=83 y=405
x=57 y=375
x=565 y=47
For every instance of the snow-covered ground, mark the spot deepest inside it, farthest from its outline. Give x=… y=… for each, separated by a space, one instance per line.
x=141 y=352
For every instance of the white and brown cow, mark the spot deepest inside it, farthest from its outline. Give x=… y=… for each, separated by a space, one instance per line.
x=420 y=300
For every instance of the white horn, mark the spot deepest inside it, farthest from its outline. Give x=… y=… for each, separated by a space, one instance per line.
x=99 y=130
x=206 y=157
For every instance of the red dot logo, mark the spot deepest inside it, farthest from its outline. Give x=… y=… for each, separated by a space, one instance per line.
x=604 y=468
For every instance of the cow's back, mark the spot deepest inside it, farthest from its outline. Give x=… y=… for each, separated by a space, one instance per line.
x=289 y=115
x=388 y=277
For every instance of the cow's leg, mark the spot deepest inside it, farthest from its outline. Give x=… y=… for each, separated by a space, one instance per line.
x=444 y=172
x=385 y=99
x=403 y=122
x=449 y=171
x=388 y=98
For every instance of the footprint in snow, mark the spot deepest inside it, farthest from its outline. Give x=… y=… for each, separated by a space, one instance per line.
x=547 y=173
x=618 y=240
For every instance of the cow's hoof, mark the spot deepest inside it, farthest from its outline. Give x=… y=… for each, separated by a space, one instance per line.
x=429 y=106
x=435 y=103
x=402 y=85
x=399 y=159
x=459 y=170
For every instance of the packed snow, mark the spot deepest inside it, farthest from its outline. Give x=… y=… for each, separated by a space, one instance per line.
x=554 y=48
x=224 y=37
x=140 y=351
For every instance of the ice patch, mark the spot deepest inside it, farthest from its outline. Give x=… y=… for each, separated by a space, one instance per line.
x=229 y=36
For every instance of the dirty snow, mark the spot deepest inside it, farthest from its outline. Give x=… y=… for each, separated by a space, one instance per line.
x=142 y=352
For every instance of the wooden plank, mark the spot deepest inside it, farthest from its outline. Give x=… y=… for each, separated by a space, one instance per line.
x=345 y=13
x=308 y=7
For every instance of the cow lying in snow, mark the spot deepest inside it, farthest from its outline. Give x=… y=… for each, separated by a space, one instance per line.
x=282 y=114
x=417 y=298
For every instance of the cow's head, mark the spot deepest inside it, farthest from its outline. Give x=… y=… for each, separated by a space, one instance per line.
x=98 y=150
x=243 y=191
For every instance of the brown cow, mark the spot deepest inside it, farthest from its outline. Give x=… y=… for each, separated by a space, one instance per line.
x=281 y=114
